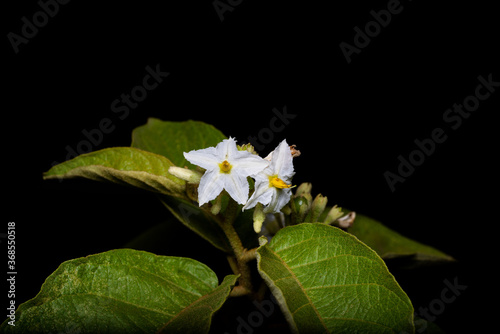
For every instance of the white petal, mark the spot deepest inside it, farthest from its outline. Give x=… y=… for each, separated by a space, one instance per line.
x=263 y=177
x=248 y=163
x=282 y=161
x=236 y=186
x=262 y=194
x=269 y=156
x=280 y=199
x=210 y=187
x=205 y=158
x=226 y=149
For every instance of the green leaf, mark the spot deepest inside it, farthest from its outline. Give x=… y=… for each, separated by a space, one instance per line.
x=123 y=165
x=391 y=245
x=327 y=281
x=204 y=225
x=125 y=291
x=197 y=221
x=244 y=227
x=196 y=317
x=171 y=139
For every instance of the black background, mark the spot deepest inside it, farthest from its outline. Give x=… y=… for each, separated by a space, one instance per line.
x=352 y=120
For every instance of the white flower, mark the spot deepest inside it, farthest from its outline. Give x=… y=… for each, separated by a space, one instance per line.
x=272 y=185
x=226 y=168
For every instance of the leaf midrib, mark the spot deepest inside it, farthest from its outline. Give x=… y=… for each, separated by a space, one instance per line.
x=172 y=315
x=292 y=274
x=77 y=170
x=187 y=308
x=352 y=319
x=289 y=269
x=166 y=281
x=107 y=297
x=333 y=257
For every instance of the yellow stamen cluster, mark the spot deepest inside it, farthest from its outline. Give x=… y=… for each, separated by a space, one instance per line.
x=225 y=167
x=278 y=183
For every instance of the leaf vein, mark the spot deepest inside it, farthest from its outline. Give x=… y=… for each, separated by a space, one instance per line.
x=333 y=257
x=292 y=274
x=159 y=277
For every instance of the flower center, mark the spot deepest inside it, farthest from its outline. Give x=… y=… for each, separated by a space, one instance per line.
x=278 y=183
x=225 y=167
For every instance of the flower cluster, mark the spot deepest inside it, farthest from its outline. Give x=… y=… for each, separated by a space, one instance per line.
x=227 y=168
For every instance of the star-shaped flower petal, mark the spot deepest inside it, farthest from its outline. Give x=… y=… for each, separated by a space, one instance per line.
x=226 y=168
x=272 y=185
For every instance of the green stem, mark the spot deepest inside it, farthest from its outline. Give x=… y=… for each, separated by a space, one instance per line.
x=240 y=253
x=249 y=255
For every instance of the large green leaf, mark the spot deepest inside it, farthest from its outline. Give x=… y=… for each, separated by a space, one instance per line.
x=391 y=245
x=203 y=224
x=123 y=165
x=125 y=291
x=327 y=281
x=171 y=139
x=197 y=221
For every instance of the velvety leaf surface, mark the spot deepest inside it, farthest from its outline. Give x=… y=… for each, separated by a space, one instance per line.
x=124 y=291
x=122 y=165
x=327 y=281
x=171 y=139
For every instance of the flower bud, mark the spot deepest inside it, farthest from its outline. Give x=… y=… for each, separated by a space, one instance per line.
x=215 y=209
x=286 y=209
x=317 y=208
x=247 y=147
x=347 y=221
x=304 y=188
x=258 y=218
x=300 y=208
x=185 y=174
x=334 y=214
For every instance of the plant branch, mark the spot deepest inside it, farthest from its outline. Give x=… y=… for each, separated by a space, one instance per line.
x=241 y=255
x=233 y=264
x=249 y=255
x=239 y=291
x=239 y=252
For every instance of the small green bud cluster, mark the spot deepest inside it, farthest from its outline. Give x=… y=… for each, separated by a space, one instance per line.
x=304 y=209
